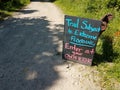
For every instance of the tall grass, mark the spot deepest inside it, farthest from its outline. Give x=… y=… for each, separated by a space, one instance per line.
x=107 y=56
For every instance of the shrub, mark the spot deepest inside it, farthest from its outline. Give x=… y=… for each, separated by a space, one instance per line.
x=12 y=4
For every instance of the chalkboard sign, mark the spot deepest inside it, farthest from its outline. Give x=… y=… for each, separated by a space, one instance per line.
x=80 y=38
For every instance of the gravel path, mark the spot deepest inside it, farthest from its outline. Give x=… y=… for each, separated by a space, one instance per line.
x=30 y=58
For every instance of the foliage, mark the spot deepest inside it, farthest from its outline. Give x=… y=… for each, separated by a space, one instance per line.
x=114 y=4
x=6 y=6
x=107 y=56
x=11 y=4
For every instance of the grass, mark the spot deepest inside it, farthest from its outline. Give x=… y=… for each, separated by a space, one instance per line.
x=107 y=57
x=4 y=14
x=7 y=8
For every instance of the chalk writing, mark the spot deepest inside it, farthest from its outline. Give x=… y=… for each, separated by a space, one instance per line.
x=77 y=53
x=89 y=51
x=80 y=59
x=82 y=42
x=83 y=34
x=80 y=38
x=71 y=23
x=74 y=47
x=85 y=25
x=70 y=31
x=89 y=27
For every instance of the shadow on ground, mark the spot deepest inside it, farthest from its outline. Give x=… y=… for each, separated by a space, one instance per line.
x=44 y=0
x=27 y=11
x=107 y=51
x=28 y=56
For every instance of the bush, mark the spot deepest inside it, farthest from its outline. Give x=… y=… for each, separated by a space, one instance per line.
x=114 y=4
x=20 y=2
x=7 y=6
x=12 y=4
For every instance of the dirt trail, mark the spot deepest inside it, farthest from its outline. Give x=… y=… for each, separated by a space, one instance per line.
x=29 y=58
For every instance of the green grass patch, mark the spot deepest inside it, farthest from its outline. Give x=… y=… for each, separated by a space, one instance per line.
x=6 y=8
x=4 y=14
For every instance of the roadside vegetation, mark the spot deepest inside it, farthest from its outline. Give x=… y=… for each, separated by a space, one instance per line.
x=107 y=57
x=9 y=6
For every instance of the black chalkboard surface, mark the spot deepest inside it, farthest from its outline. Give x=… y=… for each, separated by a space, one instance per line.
x=80 y=38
